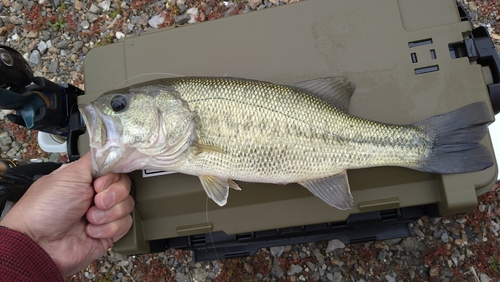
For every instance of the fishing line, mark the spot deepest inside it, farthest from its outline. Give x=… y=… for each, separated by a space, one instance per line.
x=210 y=230
x=151 y=73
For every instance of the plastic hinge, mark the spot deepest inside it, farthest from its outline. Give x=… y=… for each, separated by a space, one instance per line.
x=380 y=225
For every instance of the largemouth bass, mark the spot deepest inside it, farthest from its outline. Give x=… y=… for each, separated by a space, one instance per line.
x=225 y=129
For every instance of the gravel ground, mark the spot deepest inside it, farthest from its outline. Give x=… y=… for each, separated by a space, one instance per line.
x=55 y=36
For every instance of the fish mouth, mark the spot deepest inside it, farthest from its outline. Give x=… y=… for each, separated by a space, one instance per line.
x=104 y=139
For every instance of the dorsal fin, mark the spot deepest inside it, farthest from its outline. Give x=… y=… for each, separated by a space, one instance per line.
x=336 y=90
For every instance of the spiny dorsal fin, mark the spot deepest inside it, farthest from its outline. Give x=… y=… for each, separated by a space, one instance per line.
x=333 y=190
x=218 y=188
x=336 y=90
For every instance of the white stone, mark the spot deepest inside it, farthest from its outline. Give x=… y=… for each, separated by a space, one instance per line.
x=193 y=12
x=119 y=35
x=155 y=21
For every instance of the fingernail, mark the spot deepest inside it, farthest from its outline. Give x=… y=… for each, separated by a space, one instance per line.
x=107 y=200
x=94 y=230
x=98 y=215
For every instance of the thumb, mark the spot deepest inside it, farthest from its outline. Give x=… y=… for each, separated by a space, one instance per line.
x=82 y=167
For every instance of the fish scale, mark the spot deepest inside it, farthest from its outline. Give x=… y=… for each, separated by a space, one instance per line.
x=317 y=145
x=223 y=129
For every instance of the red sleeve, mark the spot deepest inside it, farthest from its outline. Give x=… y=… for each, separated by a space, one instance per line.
x=22 y=259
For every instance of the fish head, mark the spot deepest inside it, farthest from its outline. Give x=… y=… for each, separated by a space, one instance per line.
x=146 y=127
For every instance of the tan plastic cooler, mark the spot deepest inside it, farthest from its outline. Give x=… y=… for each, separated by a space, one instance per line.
x=408 y=60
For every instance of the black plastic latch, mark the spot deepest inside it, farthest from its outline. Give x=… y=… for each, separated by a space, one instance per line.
x=76 y=127
x=486 y=55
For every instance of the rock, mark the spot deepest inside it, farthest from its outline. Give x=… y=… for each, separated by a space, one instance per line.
x=32 y=34
x=119 y=35
x=311 y=266
x=334 y=244
x=62 y=44
x=78 y=5
x=92 y=17
x=438 y=233
x=6 y=140
x=104 y=5
x=294 y=269
x=181 y=277
x=248 y=268
x=12 y=153
x=277 y=251
x=419 y=233
x=136 y=20
x=392 y=242
x=77 y=46
x=390 y=278
x=337 y=277
x=45 y=35
x=484 y=277
x=319 y=256
x=411 y=272
x=42 y=47
x=411 y=244
x=94 y=9
x=193 y=12
x=85 y=24
x=276 y=269
x=182 y=8
x=200 y=274
x=481 y=208
x=53 y=50
x=15 y=20
x=254 y=4
x=230 y=11
x=3 y=31
x=34 y=58
x=155 y=21
x=434 y=272
x=182 y=19
x=53 y=67
x=445 y=238
x=382 y=255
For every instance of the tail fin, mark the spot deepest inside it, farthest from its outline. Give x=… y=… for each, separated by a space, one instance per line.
x=456 y=135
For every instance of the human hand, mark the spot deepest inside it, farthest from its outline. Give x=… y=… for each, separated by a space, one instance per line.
x=57 y=212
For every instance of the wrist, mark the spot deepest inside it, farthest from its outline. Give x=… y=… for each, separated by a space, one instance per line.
x=17 y=225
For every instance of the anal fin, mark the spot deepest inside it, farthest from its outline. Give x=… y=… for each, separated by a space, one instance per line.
x=217 y=188
x=333 y=190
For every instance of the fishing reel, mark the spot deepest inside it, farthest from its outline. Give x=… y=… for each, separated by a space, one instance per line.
x=38 y=103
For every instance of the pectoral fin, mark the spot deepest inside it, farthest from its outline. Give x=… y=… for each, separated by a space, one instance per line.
x=218 y=188
x=333 y=190
x=207 y=148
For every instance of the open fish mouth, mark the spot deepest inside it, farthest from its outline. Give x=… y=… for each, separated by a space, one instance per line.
x=104 y=139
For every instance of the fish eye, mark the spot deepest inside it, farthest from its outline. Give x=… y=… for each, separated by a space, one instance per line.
x=118 y=103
